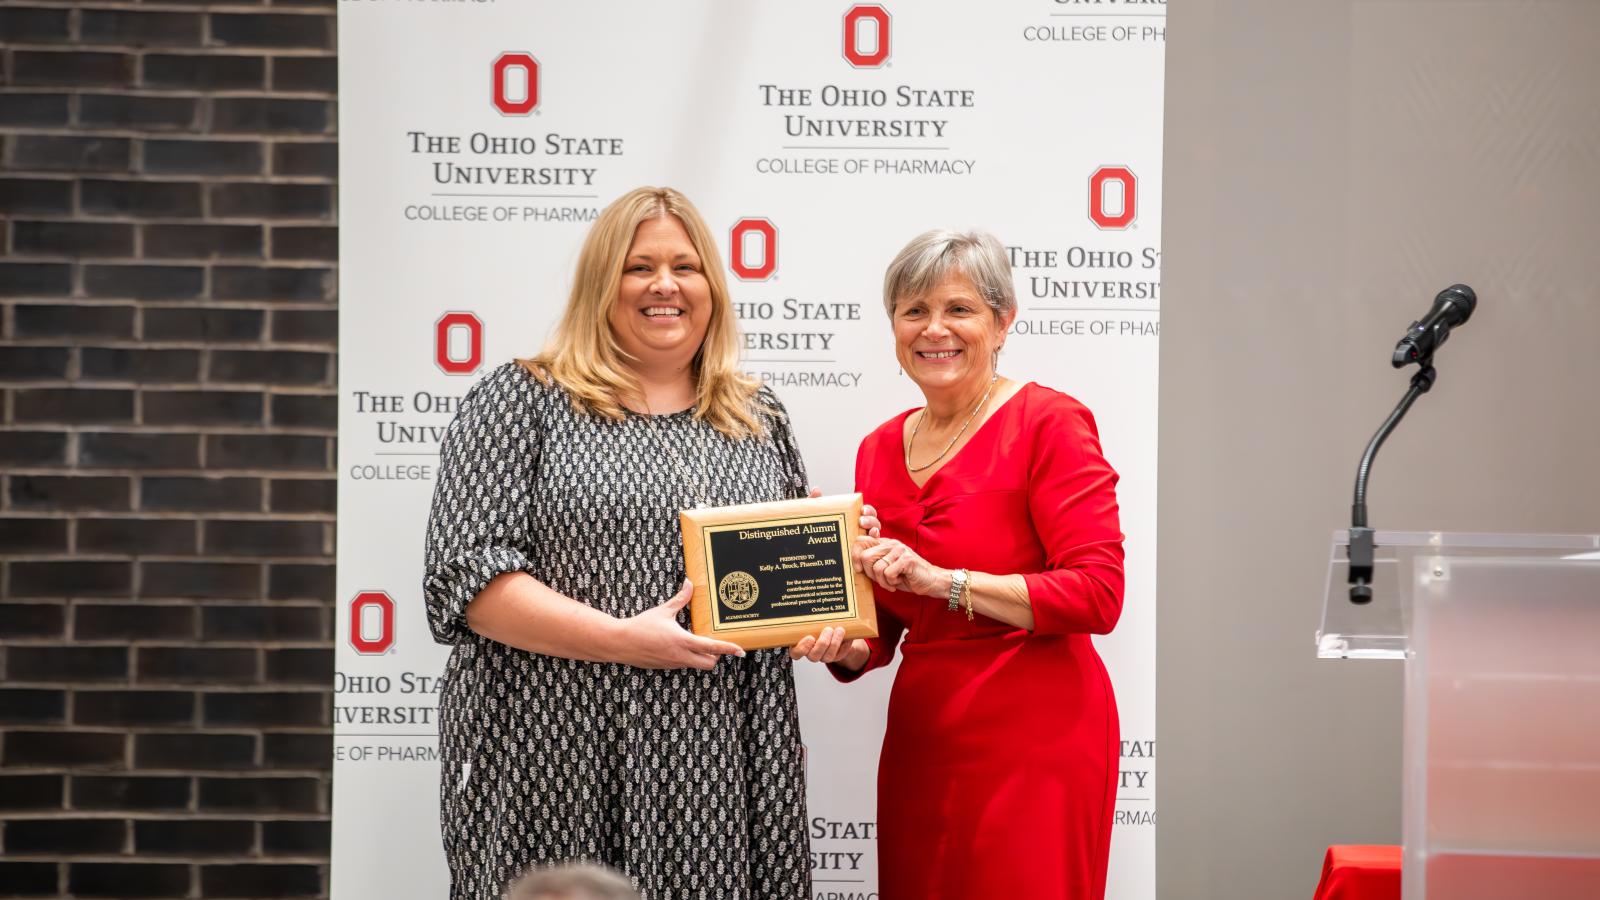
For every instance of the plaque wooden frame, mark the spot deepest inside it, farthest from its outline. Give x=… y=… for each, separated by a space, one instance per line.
x=811 y=580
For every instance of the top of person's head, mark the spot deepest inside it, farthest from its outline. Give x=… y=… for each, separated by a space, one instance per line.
x=572 y=881
x=582 y=354
x=935 y=255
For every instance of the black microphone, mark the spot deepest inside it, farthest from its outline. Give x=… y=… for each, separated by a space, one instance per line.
x=1452 y=307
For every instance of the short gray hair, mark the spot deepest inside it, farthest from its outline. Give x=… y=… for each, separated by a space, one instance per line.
x=573 y=881
x=933 y=255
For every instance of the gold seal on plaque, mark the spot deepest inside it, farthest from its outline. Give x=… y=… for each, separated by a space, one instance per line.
x=738 y=591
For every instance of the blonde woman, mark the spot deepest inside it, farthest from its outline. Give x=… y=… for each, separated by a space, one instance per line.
x=580 y=719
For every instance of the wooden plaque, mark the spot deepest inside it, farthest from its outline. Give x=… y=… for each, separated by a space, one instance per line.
x=768 y=574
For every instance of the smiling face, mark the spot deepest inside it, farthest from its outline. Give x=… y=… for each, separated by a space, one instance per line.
x=946 y=340
x=663 y=304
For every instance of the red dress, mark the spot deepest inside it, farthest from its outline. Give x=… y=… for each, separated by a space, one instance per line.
x=999 y=765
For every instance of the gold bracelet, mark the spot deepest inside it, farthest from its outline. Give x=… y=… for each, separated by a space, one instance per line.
x=966 y=593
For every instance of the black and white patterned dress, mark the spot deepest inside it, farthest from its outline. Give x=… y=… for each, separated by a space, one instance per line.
x=690 y=782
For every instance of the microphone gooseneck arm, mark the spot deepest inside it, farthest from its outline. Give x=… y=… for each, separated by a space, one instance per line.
x=1362 y=546
x=1452 y=307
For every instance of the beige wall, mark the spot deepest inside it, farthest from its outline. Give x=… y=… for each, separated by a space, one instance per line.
x=1329 y=167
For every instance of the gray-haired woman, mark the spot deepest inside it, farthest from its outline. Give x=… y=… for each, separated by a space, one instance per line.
x=999 y=554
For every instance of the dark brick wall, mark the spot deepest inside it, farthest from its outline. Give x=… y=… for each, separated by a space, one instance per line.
x=167 y=409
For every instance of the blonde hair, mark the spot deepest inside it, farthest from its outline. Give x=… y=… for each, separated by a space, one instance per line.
x=934 y=255
x=583 y=355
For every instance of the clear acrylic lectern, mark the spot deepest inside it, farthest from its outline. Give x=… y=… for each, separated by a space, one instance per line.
x=1501 y=638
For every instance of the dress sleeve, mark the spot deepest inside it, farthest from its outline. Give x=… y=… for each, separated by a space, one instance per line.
x=794 y=467
x=890 y=627
x=1072 y=501
x=478 y=527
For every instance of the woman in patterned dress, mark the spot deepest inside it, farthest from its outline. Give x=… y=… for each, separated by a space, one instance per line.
x=579 y=718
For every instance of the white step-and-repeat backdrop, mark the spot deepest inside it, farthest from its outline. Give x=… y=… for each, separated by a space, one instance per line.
x=478 y=139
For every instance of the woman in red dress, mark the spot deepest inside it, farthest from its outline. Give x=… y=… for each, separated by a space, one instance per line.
x=998 y=553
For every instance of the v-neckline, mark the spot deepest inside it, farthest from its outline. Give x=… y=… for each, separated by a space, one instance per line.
x=900 y=442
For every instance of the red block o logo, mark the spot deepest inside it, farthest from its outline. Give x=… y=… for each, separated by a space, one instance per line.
x=505 y=65
x=1102 y=179
x=739 y=252
x=382 y=609
x=855 y=22
x=442 y=329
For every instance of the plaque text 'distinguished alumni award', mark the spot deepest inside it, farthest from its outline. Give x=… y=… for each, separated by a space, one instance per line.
x=768 y=574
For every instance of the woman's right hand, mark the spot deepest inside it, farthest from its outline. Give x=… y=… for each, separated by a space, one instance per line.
x=653 y=639
x=871 y=526
x=831 y=647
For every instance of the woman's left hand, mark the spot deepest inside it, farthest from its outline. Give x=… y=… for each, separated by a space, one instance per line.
x=895 y=567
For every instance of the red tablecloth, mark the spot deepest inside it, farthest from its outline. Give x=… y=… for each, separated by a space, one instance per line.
x=1373 y=873
x=1356 y=872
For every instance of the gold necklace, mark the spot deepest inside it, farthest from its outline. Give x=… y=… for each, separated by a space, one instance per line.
x=918 y=427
